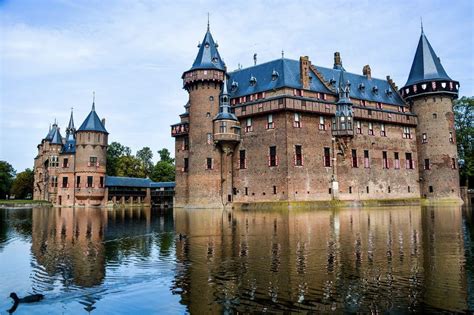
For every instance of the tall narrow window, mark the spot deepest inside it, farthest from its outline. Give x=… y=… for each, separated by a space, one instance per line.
x=451 y=139
x=379 y=105
x=78 y=181
x=298 y=156
x=93 y=161
x=359 y=127
x=427 y=164
x=65 y=183
x=66 y=162
x=366 y=159
x=371 y=129
x=209 y=165
x=409 y=161
x=424 y=138
x=406 y=133
x=248 y=126
x=186 y=165
x=246 y=191
x=101 y=182
x=322 y=125
x=327 y=157
x=242 y=160
x=453 y=163
x=54 y=181
x=186 y=143
x=223 y=127
x=382 y=130
x=384 y=160
x=209 y=138
x=297 y=121
x=354 y=158
x=274 y=190
x=90 y=181
x=396 y=159
x=431 y=189
x=270 y=124
x=272 y=157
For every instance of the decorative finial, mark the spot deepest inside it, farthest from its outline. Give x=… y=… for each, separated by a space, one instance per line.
x=255 y=59
x=282 y=54
x=208 y=28
x=93 y=100
x=421 y=20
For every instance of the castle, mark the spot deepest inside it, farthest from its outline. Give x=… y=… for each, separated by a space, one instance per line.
x=288 y=130
x=71 y=170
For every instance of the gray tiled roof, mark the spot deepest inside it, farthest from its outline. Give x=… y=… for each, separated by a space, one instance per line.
x=426 y=65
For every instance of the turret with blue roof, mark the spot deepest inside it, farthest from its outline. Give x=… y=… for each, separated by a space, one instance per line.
x=70 y=143
x=427 y=74
x=225 y=112
x=92 y=122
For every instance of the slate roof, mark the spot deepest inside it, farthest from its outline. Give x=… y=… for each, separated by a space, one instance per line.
x=117 y=181
x=208 y=56
x=426 y=65
x=56 y=137
x=92 y=122
x=70 y=144
x=285 y=72
x=224 y=105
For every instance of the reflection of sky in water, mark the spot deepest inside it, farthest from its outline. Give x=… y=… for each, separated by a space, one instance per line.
x=130 y=260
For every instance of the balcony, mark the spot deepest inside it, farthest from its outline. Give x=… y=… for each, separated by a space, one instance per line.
x=227 y=137
x=92 y=193
x=179 y=129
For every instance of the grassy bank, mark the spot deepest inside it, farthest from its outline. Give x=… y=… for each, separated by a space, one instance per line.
x=23 y=203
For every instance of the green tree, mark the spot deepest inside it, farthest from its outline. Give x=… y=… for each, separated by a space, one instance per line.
x=165 y=156
x=129 y=166
x=114 y=151
x=164 y=170
x=464 y=124
x=22 y=186
x=7 y=172
x=145 y=156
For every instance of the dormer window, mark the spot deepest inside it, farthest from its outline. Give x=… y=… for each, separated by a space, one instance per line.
x=206 y=45
x=332 y=81
x=234 y=86
x=253 y=81
x=275 y=75
x=389 y=92
x=375 y=89
x=361 y=87
x=215 y=60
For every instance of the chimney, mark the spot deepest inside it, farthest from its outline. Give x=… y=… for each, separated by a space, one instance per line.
x=390 y=81
x=337 y=60
x=304 y=71
x=103 y=122
x=367 y=72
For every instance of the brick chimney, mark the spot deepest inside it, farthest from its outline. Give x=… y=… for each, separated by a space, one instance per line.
x=337 y=60
x=103 y=122
x=304 y=71
x=367 y=72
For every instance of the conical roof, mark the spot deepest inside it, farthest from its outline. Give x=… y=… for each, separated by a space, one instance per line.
x=224 y=104
x=208 y=56
x=426 y=64
x=56 y=137
x=92 y=122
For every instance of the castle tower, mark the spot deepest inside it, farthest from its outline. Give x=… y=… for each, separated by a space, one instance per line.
x=226 y=136
x=90 y=161
x=430 y=93
x=198 y=173
x=66 y=188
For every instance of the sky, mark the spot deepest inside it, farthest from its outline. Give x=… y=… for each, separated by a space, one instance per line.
x=132 y=53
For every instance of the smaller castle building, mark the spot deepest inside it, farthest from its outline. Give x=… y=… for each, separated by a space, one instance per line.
x=71 y=170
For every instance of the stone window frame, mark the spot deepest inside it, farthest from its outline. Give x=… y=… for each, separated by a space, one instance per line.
x=370 y=128
x=242 y=159
x=354 y=160
x=427 y=165
x=327 y=157
x=209 y=163
x=272 y=156
x=297 y=122
x=383 y=132
x=322 y=123
x=298 y=159
x=270 y=123
x=385 y=162
x=366 y=159
x=396 y=160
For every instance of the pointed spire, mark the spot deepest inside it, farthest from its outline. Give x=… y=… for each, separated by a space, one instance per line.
x=208 y=27
x=344 y=88
x=93 y=101
x=421 y=21
x=224 y=104
x=426 y=65
x=208 y=56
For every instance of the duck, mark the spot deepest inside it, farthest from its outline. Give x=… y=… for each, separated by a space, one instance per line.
x=27 y=299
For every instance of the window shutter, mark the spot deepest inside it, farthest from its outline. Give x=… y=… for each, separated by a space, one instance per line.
x=294 y=159
x=268 y=160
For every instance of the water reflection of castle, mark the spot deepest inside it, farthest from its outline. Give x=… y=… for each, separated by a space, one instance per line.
x=75 y=246
x=369 y=260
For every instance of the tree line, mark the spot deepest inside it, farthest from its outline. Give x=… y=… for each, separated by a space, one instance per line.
x=120 y=162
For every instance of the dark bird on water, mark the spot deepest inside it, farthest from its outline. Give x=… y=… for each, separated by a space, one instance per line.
x=27 y=299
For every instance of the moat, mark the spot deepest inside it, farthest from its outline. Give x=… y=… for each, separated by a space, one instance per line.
x=125 y=261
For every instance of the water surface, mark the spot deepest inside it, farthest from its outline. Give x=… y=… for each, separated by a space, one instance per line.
x=395 y=260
